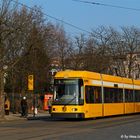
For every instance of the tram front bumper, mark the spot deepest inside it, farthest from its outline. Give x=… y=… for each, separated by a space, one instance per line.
x=67 y=115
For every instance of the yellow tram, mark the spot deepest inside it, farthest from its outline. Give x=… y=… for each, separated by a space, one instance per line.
x=84 y=94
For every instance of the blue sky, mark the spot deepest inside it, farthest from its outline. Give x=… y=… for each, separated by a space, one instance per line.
x=88 y=16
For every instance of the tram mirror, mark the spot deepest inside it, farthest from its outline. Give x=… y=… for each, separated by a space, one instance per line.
x=82 y=92
x=81 y=101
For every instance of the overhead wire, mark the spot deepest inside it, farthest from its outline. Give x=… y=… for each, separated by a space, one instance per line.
x=52 y=17
x=108 y=5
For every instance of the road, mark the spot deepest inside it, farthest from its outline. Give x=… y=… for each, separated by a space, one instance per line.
x=112 y=128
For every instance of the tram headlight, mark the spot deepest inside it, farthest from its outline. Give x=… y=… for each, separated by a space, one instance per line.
x=54 y=109
x=74 y=109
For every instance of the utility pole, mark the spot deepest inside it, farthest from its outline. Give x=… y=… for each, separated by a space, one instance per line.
x=2 y=113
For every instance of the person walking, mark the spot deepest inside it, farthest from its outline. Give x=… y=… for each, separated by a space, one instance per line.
x=24 y=107
x=7 y=106
x=35 y=105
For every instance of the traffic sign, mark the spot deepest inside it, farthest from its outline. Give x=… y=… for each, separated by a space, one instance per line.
x=30 y=82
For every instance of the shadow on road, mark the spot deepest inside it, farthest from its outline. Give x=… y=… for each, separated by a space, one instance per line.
x=49 y=118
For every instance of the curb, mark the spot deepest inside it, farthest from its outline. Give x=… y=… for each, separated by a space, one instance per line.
x=39 y=118
x=17 y=117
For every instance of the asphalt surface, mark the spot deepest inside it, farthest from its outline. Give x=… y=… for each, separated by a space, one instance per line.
x=17 y=116
x=46 y=128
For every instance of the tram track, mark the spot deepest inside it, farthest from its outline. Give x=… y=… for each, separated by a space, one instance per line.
x=109 y=122
x=113 y=124
x=49 y=129
x=82 y=129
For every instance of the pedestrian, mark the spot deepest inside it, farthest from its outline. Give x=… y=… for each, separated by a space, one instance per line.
x=24 y=107
x=7 y=106
x=49 y=104
x=35 y=104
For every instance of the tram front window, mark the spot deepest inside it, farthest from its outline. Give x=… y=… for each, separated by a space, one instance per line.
x=66 y=91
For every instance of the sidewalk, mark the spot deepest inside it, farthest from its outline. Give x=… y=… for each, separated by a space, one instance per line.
x=14 y=117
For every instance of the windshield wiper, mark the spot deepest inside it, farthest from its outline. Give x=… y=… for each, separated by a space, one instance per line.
x=70 y=101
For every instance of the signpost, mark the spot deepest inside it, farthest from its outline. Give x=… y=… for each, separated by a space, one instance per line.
x=31 y=82
x=31 y=88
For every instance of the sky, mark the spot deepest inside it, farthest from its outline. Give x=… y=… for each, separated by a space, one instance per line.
x=89 y=16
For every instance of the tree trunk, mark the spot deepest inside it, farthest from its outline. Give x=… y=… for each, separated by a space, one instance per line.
x=2 y=114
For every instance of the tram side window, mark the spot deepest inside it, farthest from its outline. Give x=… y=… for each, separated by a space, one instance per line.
x=108 y=95
x=97 y=95
x=137 y=95
x=128 y=95
x=113 y=95
x=93 y=94
x=118 y=95
x=89 y=94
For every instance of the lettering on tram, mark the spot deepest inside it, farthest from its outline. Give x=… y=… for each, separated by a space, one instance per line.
x=84 y=94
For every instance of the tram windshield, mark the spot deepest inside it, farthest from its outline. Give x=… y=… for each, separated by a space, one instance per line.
x=67 y=91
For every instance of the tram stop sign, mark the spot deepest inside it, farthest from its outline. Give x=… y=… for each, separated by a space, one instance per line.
x=30 y=82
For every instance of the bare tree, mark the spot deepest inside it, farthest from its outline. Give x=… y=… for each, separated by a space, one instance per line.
x=23 y=48
x=101 y=56
x=76 y=58
x=124 y=46
x=117 y=53
x=61 y=47
x=131 y=37
x=6 y=31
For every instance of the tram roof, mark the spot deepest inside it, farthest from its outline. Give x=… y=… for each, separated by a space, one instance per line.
x=136 y=82
x=78 y=74
x=95 y=76
x=87 y=74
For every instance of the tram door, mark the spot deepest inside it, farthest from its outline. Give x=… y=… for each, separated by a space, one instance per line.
x=89 y=97
x=93 y=101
